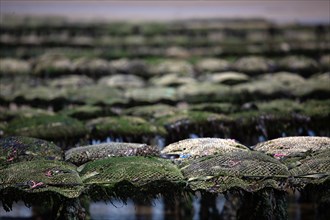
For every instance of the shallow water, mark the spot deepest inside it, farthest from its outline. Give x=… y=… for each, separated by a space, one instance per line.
x=117 y=210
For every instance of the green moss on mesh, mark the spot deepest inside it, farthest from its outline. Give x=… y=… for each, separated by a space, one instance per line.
x=138 y=178
x=56 y=127
x=138 y=171
x=154 y=28
x=151 y=111
x=81 y=155
x=125 y=126
x=41 y=94
x=17 y=149
x=247 y=170
x=267 y=124
x=206 y=92
x=83 y=112
x=96 y=94
x=7 y=114
x=193 y=118
x=317 y=109
x=12 y=195
x=312 y=169
x=151 y=94
x=50 y=176
x=281 y=106
x=220 y=108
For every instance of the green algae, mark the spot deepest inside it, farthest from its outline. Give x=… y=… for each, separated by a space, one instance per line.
x=40 y=94
x=284 y=106
x=184 y=123
x=180 y=67
x=316 y=87
x=220 y=108
x=131 y=67
x=313 y=169
x=56 y=127
x=123 y=126
x=151 y=94
x=83 y=112
x=14 y=67
x=17 y=149
x=200 y=92
x=299 y=64
x=261 y=89
x=318 y=110
x=228 y=78
x=212 y=65
x=7 y=114
x=96 y=94
x=95 y=67
x=52 y=65
x=325 y=62
x=253 y=65
x=69 y=81
x=192 y=117
x=138 y=178
x=41 y=176
x=151 y=111
x=247 y=170
x=122 y=81
x=171 y=79
x=83 y=154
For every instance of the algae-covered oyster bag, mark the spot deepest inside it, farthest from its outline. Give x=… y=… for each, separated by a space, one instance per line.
x=199 y=147
x=247 y=170
x=149 y=174
x=314 y=169
x=290 y=150
x=41 y=176
x=16 y=149
x=80 y=155
x=127 y=126
x=286 y=146
x=55 y=127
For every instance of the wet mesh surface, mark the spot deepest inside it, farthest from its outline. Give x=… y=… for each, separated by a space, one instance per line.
x=291 y=146
x=203 y=146
x=138 y=171
x=41 y=176
x=213 y=165
x=81 y=155
x=17 y=149
x=313 y=169
x=246 y=170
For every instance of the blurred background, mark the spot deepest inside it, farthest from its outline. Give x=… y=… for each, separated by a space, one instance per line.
x=278 y=11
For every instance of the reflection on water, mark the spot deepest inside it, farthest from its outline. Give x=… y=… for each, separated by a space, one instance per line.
x=19 y=210
x=161 y=209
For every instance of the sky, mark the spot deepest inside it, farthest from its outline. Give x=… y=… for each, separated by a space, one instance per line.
x=310 y=11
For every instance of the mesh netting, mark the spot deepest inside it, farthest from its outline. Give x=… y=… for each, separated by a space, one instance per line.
x=17 y=149
x=203 y=146
x=313 y=169
x=292 y=146
x=243 y=169
x=42 y=175
x=47 y=127
x=84 y=154
x=138 y=171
